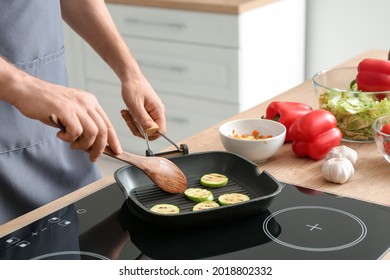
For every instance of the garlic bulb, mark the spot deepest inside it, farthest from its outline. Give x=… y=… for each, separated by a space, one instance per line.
x=337 y=170
x=343 y=152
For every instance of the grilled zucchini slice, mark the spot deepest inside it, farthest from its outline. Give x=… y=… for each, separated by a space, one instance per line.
x=232 y=198
x=214 y=180
x=205 y=205
x=165 y=209
x=198 y=194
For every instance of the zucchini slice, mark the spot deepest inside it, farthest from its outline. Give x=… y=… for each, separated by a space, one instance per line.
x=205 y=205
x=232 y=198
x=214 y=180
x=165 y=209
x=198 y=194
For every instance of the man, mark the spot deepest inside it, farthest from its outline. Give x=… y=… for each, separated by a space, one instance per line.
x=37 y=162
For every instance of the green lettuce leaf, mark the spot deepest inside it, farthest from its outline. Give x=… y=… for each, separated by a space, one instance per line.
x=355 y=112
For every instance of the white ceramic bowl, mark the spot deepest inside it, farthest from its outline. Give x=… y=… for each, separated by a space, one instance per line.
x=254 y=150
x=382 y=140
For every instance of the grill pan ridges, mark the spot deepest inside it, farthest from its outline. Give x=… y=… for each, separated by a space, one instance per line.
x=243 y=175
x=152 y=196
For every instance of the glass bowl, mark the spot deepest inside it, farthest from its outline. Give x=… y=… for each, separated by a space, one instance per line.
x=382 y=140
x=355 y=111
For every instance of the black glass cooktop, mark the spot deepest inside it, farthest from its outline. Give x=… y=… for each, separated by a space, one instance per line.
x=299 y=224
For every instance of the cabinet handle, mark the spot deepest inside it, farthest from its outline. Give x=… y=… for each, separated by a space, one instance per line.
x=172 y=68
x=173 y=25
x=178 y=120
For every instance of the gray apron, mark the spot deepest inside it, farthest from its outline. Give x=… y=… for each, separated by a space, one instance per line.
x=35 y=166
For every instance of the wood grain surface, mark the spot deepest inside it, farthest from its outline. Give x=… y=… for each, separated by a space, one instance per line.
x=215 y=6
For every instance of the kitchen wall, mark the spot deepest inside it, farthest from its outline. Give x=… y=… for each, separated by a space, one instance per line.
x=340 y=29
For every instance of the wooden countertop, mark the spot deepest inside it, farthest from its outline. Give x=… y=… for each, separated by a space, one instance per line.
x=370 y=182
x=215 y=6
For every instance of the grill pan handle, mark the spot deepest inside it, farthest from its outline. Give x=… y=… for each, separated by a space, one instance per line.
x=180 y=150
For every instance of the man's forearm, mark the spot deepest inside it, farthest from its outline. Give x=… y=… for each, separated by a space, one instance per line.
x=11 y=81
x=92 y=21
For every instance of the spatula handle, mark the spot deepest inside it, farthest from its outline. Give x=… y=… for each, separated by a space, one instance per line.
x=125 y=157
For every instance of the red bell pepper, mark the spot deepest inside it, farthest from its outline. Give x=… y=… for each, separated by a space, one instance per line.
x=386 y=144
x=286 y=113
x=373 y=75
x=314 y=134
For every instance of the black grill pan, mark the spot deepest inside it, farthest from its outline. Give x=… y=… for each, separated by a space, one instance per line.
x=243 y=175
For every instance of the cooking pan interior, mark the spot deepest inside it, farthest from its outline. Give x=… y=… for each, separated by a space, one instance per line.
x=243 y=175
x=239 y=170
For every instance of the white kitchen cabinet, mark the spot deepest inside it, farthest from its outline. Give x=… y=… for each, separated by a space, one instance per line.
x=205 y=66
x=191 y=70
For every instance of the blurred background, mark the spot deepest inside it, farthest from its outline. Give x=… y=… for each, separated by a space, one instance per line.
x=337 y=30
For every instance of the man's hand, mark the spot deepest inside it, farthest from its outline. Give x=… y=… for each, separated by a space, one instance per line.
x=87 y=126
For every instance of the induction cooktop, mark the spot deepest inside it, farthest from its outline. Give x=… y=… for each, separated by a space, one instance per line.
x=301 y=224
